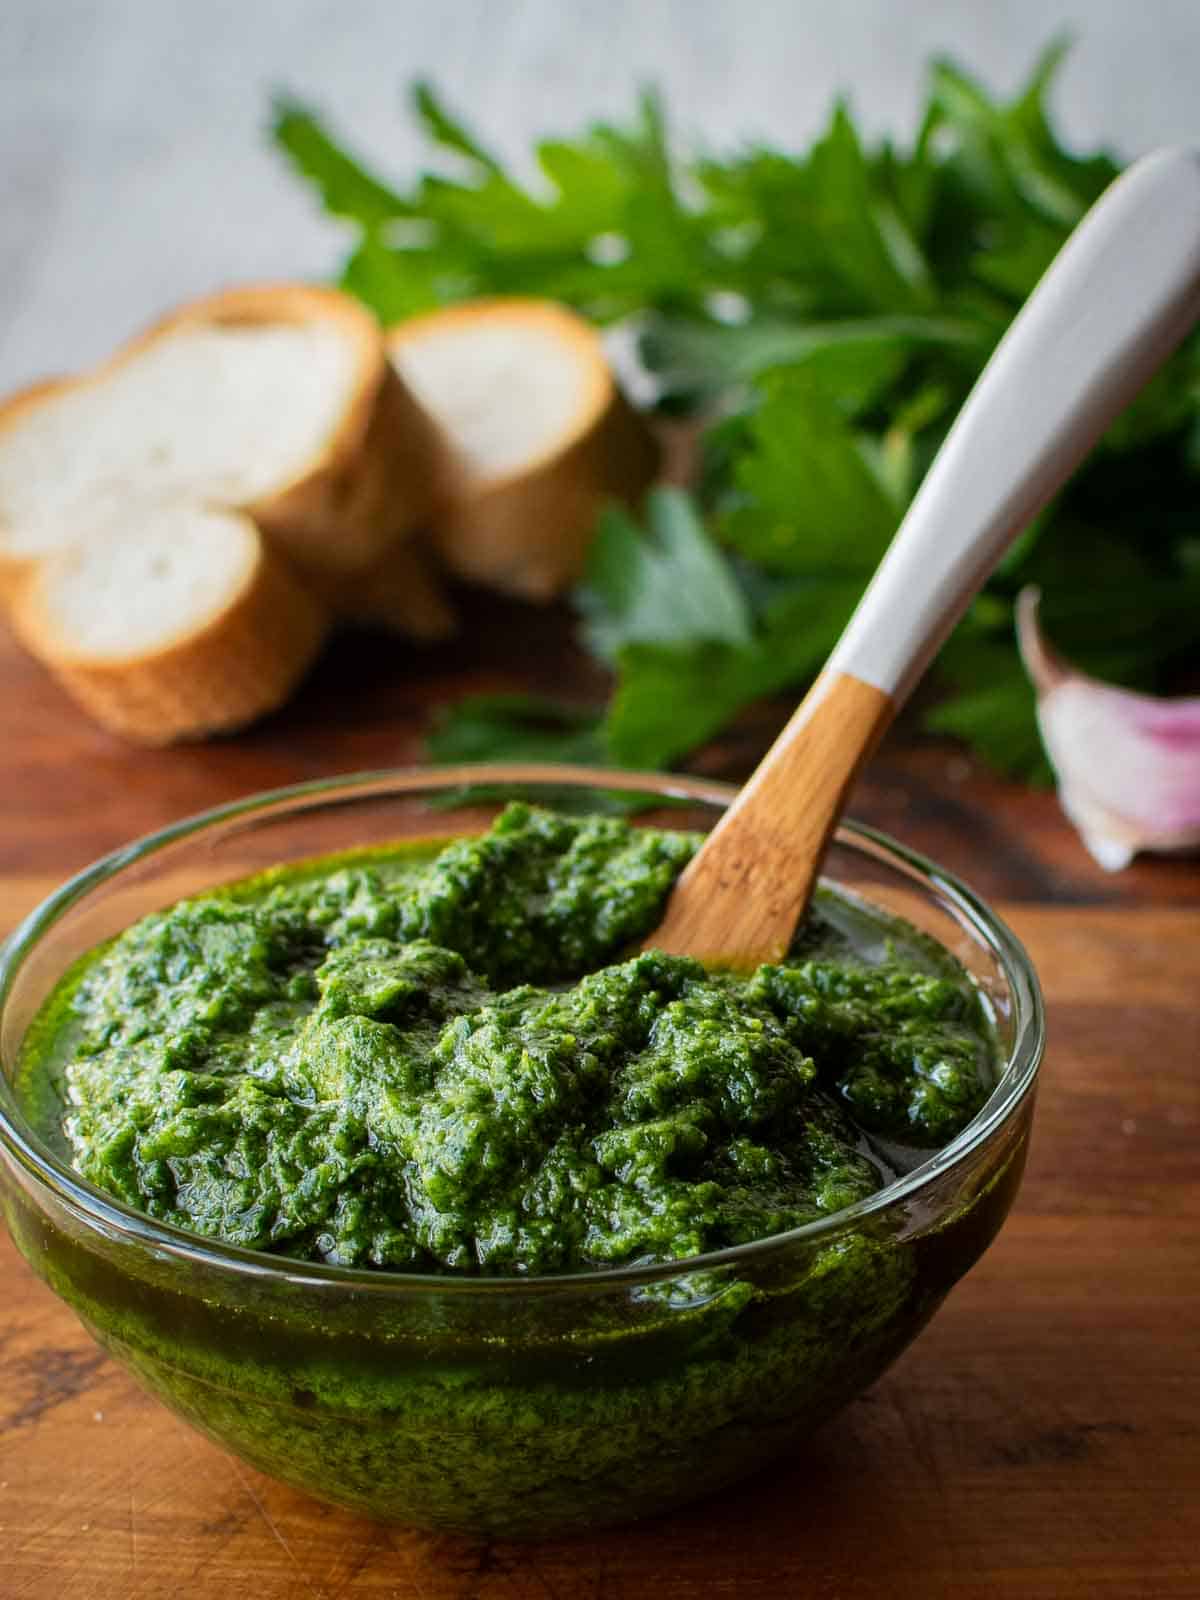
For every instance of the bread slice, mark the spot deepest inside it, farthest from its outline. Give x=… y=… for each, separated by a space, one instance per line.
x=26 y=529
x=274 y=399
x=525 y=395
x=170 y=620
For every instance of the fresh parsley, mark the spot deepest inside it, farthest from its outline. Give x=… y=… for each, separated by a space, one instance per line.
x=826 y=312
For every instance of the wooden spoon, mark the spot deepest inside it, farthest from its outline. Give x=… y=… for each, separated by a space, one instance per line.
x=1120 y=296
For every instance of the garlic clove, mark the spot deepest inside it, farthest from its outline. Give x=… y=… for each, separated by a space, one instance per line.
x=1127 y=764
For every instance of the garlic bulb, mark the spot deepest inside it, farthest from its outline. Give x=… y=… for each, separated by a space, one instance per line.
x=1128 y=764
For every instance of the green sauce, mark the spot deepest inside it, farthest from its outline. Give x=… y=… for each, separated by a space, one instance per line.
x=346 y=1065
x=446 y=1061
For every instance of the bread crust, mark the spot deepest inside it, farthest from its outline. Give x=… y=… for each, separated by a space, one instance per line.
x=232 y=668
x=379 y=474
x=527 y=530
x=384 y=468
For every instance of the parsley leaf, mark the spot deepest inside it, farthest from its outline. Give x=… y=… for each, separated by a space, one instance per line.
x=667 y=586
x=670 y=699
x=809 y=496
x=346 y=187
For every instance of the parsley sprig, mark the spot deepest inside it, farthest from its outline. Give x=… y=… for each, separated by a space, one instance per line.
x=828 y=310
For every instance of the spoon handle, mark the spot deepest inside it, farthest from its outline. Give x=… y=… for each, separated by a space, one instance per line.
x=1118 y=298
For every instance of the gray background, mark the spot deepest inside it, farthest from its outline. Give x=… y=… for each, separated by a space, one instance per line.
x=134 y=170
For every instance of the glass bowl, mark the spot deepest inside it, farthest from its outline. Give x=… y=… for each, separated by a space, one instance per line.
x=514 y=1407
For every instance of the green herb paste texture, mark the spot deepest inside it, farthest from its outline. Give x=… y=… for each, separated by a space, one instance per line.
x=438 y=1060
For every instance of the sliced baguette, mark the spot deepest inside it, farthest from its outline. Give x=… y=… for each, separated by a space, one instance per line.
x=170 y=621
x=525 y=395
x=27 y=529
x=275 y=399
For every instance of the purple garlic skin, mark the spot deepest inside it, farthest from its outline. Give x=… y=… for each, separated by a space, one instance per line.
x=1127 y=764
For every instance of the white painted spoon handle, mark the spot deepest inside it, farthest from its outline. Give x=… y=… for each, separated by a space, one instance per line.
x=1120 y=295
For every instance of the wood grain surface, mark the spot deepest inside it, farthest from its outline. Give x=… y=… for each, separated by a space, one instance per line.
x=1039 y=1440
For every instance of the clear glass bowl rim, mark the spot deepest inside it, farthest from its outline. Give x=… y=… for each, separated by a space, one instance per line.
x=94 y=1207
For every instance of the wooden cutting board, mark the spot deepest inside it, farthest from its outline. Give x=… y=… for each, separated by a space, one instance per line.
x=1041 y=1439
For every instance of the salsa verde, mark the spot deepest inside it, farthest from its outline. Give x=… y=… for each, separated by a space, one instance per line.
x=444 y=1059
